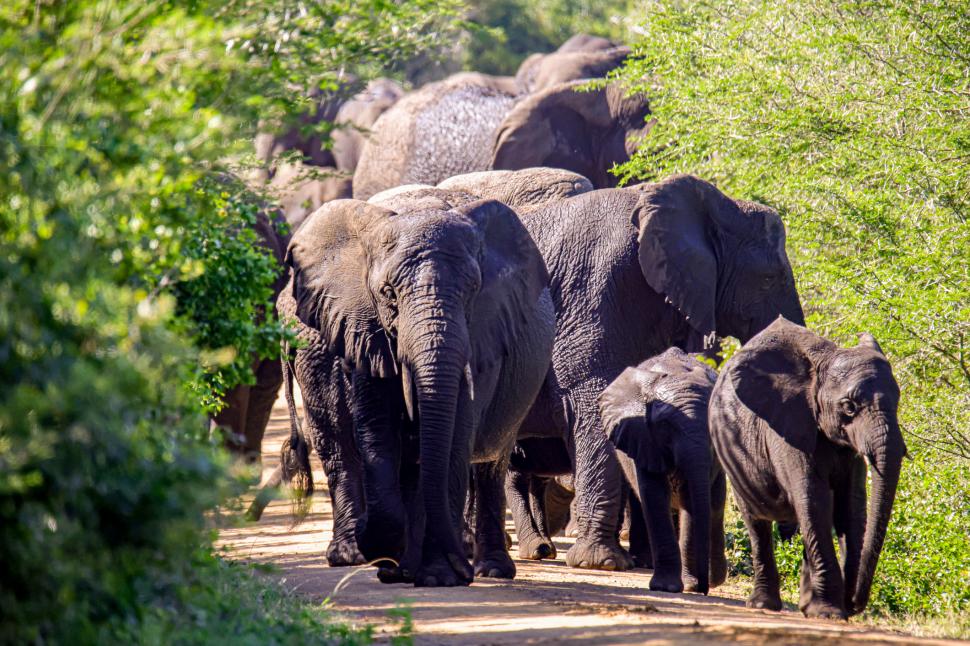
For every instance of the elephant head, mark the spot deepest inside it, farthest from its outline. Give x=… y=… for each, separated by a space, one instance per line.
x=720 y=262
x=807 y=388
x=563 y=126
x=432 y=296
x=581 y=57
x=656 y=414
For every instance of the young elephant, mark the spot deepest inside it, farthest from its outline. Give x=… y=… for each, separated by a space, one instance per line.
x=656 y=417
x=795 y=419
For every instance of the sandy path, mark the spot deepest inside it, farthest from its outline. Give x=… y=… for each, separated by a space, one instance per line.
x=546 y=603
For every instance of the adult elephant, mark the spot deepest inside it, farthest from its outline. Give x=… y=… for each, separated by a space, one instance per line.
x=580 y=57
x=795 y=420
x=634 y=271
x=475 y=123
x=440 y=309
x=355 y=119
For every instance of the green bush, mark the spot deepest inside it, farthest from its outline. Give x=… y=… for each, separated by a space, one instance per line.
x=850 y=119
x=128 y=284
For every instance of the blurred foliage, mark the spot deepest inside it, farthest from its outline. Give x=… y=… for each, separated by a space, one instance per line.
x=850 y=118
x=129 y=282
x=509 y=30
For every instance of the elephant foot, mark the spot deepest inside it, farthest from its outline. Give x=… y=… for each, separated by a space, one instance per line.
x=691 y=584
x=824 y=610
x=394 y=574
x=642 y=560
x=764 y=600
x=598 y=555
x=536 y=548
x=666 y=582
x=496 y=564
x=444 y=571
x=344 y=552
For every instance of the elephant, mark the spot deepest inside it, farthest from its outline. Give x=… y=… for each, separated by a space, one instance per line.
x=472 y=122
x=247 y=407
x=656 y=416
x=301 y=190
x=795 y=419
x=569 y=63
x=437 y=314
x=355 y=119
x=634 y=271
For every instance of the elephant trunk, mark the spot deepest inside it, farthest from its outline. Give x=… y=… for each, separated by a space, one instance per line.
x=884 y=452
x=697 y=559
x=435 y=349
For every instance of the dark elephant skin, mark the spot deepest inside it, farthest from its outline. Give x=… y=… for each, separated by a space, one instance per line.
x=247 y=407
x=795 y=419
x=473 y=122
x=635 y=271
x=656 y=416
x=440 y=311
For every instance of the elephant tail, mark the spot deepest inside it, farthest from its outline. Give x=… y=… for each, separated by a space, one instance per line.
x=295 y=454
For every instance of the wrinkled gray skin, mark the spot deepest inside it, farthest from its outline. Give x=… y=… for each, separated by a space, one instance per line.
x=473 y=122
x=356 y=117
x=635 y=271
x=541 y=71
x=440 y=309
x=656 y=416
x=247 y=407
x=794 y=420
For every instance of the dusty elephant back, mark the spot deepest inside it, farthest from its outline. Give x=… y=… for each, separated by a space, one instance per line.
x=442 y=130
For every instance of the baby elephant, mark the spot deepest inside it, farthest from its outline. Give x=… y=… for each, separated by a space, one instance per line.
x=656 y=417
x=795 y=419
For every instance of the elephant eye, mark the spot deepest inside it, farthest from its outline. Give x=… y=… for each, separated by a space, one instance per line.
x=848 y=407
x=387 y=292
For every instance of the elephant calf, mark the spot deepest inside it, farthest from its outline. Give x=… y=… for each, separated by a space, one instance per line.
x=795 y=419
x=656 y=416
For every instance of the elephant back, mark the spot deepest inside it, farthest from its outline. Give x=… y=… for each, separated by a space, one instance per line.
x=443 y=129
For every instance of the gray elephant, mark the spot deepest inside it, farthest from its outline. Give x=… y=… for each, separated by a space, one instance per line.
x=355 y=119
x=580 y=57
x=795 y=419
x=656 y=416
x=634 y=271
x=301 y=190
x=440 y=311
x=472 y=122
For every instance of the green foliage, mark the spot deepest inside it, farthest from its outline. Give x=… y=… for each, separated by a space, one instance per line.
x=125 y=268
x=851 y=119
x=510 y=30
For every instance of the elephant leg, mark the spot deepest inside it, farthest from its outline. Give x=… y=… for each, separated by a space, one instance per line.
x=518 y=492
x=655 y=496
x=404 y=571
x=639 y=538
x=540 y=512
x=766 y=594
x=262 y=396
x=815 y=514
x=233 y=417
x=598 y=479
x=491 y=553
x=718 y=558
x=850 y=524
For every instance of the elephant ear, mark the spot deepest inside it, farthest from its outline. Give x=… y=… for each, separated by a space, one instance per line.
x=564 y=127
x=329 y=284
x=679 y=219
x=774 y=377
x=634 y=427
x=513 y=278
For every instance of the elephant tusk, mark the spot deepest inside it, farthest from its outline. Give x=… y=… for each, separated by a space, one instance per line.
x=408 y=387
x=471 y=382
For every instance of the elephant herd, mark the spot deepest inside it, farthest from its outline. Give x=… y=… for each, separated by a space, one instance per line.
x=488 y=314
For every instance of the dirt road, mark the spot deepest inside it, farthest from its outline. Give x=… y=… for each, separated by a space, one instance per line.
x=547 y=603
